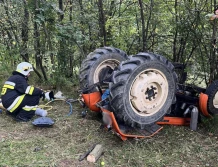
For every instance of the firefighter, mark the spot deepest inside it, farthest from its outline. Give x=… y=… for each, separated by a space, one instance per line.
x=19 y=98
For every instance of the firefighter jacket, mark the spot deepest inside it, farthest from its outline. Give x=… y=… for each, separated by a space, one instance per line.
x=15 y=89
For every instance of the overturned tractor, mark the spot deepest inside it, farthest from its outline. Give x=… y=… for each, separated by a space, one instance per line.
x=140 y=92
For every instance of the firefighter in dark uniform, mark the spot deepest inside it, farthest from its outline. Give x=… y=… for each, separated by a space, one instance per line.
x=19 y=98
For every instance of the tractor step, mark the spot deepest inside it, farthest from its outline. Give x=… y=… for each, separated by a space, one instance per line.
x=125 y=132
x=146 y=132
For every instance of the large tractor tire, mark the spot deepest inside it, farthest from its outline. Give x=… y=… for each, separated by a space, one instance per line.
x=99 y=65
x=143 y=89
x=212 y=92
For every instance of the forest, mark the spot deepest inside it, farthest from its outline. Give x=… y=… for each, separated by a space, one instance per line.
x=56 y=35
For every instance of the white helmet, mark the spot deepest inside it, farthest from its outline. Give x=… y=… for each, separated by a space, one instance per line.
x=24 y=68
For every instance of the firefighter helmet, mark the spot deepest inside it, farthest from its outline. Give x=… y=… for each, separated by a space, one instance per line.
x=24 y=68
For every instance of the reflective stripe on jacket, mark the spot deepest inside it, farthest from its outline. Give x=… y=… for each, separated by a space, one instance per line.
x=14 y=91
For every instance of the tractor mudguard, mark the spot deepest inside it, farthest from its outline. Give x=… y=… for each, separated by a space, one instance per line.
x=203 y=99
x=91 y=100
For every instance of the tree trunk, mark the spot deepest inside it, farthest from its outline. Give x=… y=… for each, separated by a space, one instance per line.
x=38 y=57
x=138 y=28
x=102 y=22
x=213 y=56
x=176 y=33
x=110 y=14
x=24 y=31
x=143 y=26
x=82 y=22
x=36 y=37
x=61 y=16
x=71 y=11
x=62 y=44
x=71 y=55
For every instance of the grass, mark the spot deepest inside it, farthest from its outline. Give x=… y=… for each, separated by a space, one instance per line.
x=24 y=145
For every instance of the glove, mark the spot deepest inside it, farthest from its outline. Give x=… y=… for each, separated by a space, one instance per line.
x=49 y=96
x=42 y=96
x=41 y=112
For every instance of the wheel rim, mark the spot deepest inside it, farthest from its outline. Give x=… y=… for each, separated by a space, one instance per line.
x=215 y=100
x=112 y=63
x=148 y=92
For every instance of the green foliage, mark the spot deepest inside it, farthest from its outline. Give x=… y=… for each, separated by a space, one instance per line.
x=178 y=31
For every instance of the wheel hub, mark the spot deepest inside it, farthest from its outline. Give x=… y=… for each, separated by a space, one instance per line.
x=148 y=92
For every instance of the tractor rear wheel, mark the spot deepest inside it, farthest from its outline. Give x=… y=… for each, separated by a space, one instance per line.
x=143 y=89
x=99 y=65
x=212 y=92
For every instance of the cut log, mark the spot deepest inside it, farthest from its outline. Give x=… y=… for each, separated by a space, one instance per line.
x=87 y=153
x=95 y=154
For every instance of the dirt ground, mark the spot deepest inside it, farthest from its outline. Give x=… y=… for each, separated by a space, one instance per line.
x=24 y=145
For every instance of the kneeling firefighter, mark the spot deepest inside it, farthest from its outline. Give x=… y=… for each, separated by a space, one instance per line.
x=21 y=99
